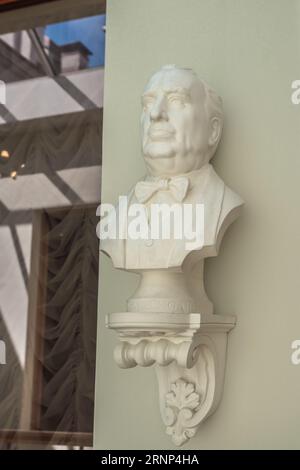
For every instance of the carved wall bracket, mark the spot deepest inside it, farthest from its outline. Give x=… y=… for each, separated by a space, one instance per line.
x=188 y=352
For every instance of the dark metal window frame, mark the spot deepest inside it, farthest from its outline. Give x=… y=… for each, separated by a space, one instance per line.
x=9 y=5
x=42 y=12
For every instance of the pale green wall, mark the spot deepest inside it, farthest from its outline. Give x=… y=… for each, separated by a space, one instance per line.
x=249 y=51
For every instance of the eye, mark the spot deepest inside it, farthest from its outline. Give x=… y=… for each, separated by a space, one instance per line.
x=147 y=101
x=176 y=99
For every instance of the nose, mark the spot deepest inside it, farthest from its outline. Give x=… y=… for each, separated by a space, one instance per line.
x=159 y=109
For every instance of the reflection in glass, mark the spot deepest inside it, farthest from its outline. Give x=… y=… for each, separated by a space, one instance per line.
x=50 y=172
x=70 y=46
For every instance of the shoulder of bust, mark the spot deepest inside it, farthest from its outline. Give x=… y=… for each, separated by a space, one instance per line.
x=231 y=210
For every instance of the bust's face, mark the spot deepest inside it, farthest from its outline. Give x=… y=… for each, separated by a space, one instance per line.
x=177 y=134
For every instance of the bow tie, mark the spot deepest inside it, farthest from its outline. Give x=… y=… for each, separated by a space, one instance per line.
x=178 y=187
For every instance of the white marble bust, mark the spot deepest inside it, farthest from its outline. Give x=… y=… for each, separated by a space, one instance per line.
x=169 y=319
x=181 y=123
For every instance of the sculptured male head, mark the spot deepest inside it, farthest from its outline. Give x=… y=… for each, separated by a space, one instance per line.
x=181 y=122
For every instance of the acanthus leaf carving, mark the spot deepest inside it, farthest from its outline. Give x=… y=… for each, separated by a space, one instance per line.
x=182 y=403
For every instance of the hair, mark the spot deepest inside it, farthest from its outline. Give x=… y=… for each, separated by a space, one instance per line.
x=214 y=109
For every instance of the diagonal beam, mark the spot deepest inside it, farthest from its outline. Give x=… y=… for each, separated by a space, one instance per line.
x=6 y=115
x=81 y=98
x=45 y=61
x=19 y=253
x=73 y=91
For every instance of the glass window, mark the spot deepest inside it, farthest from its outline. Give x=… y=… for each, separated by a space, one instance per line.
x=50 y=174
x=67 y=46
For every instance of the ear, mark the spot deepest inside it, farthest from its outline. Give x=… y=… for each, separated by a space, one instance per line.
x=215 y=131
